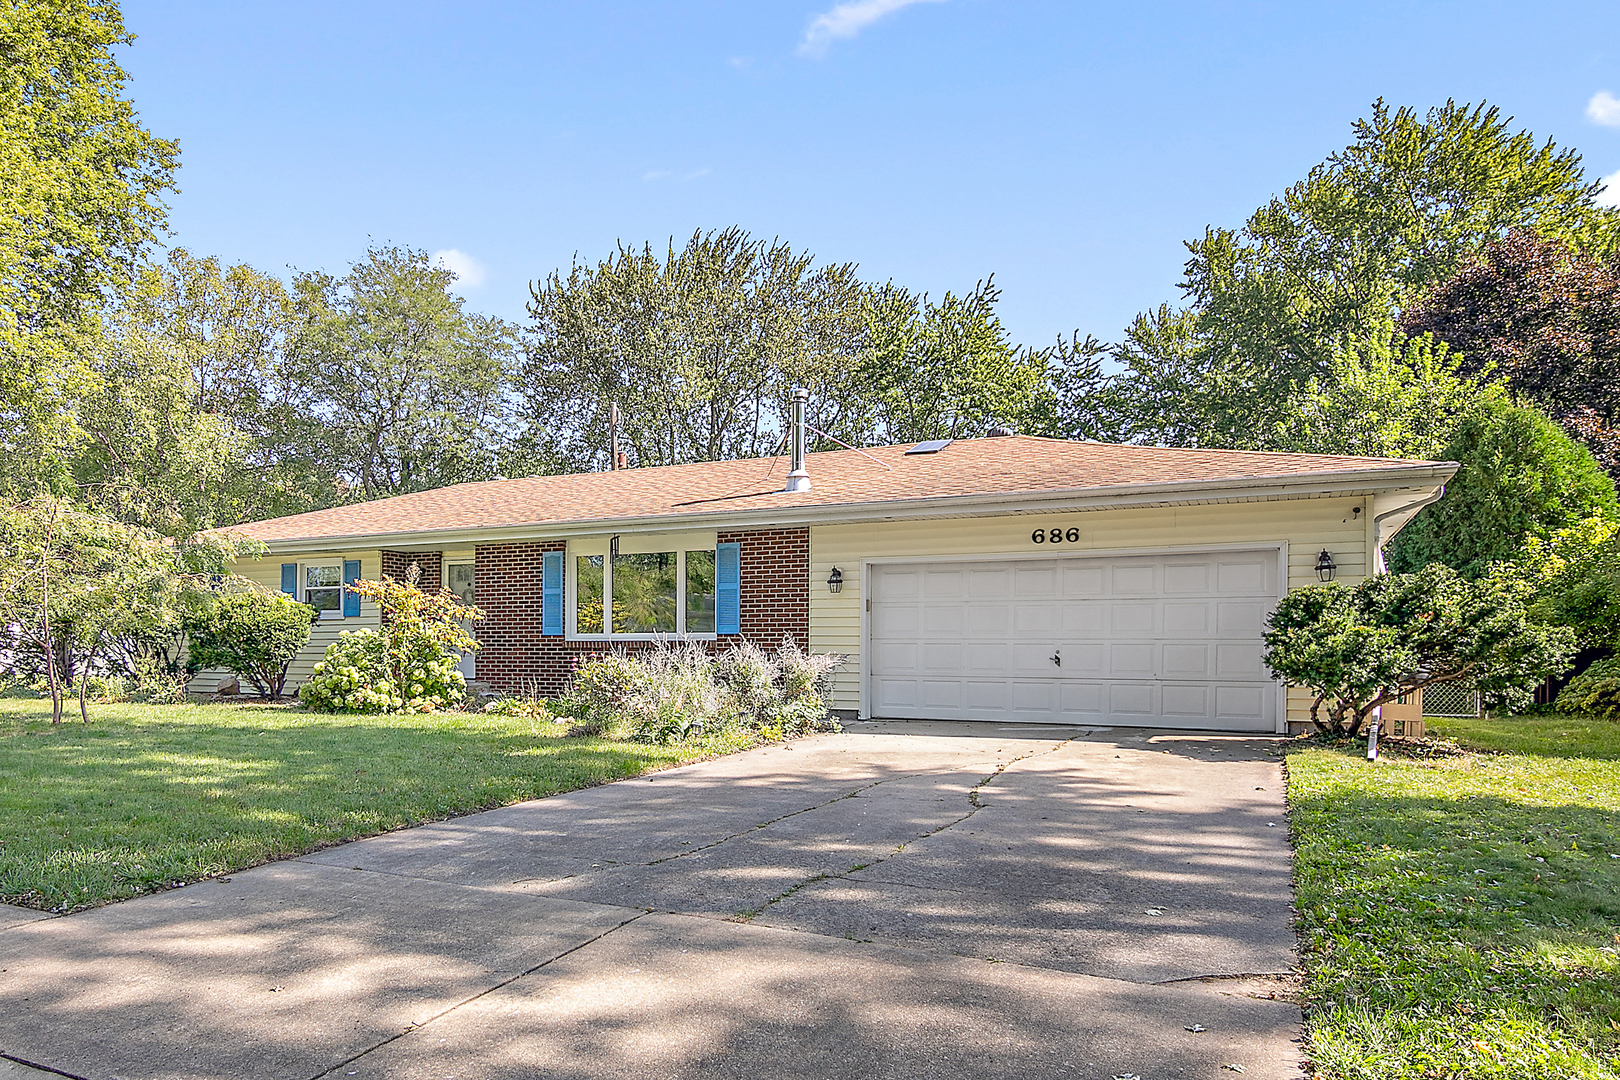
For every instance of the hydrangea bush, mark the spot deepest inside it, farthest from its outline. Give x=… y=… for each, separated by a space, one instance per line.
x=409 y=665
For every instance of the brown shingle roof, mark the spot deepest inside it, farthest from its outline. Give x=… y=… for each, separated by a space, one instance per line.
x=1011 y=466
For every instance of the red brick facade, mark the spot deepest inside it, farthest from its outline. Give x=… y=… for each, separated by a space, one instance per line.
x=514 y=655
x=397 y=564
x=775 y=585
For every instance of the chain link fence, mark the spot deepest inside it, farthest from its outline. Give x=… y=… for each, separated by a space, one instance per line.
x=1450 y=699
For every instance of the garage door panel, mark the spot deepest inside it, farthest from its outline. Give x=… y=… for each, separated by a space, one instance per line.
x=1082 y=581
x=1235 y=618
x=1084 y=658
x=1132 y=660
x=1029 y=696
x=1132 y=699
x=1245 y=703
x=987 y=696
x=895 y=693
x=1187 y=701
x=1039 y=580
x=1151 y=640
x=1137 y=578
x=985 y=656
x=991 y=584
x=1031 y=618
x=1033 y=658
x=1183 y=579
x=1236 y=661
x=1133 y=618
x=1185 y=661
x=1085 y=617
x=1081 y=697
x=1184 y=619
x=944 y=585
x=1251 y=575
x=991 y=618
x=893 y=622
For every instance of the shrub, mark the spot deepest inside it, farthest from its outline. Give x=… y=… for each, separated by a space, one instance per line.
x=1357 y=647
x=1595 y=690
x=1521 y=476
x=409 y=665
x=254 y=634
x=677 y=692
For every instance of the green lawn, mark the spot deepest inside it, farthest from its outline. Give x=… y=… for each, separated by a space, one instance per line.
x=1460 y=914
x=150 y=796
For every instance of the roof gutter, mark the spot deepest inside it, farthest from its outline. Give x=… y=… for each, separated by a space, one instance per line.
x=1425 y=478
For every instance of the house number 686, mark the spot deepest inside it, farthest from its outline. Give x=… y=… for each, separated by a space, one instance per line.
x=1054 y=536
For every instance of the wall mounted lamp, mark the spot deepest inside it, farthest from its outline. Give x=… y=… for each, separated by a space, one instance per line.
x=1325 y=566
x=835 y=580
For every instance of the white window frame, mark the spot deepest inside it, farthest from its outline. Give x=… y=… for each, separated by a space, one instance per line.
x=631 y=544
x=303 y=585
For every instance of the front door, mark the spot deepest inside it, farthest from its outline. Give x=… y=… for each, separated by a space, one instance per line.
x=459 y=577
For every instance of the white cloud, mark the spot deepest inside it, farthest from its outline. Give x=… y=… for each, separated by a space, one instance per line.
x=695 y=174
x=468 y=270
x=656 y=174
x=1604 y=108
x=1610 y=195
x=846 y=20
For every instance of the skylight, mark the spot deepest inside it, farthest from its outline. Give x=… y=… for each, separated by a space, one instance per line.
x=932 y=446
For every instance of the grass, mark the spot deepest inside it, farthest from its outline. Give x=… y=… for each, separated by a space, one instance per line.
x=1459 y=913
x=147 y=797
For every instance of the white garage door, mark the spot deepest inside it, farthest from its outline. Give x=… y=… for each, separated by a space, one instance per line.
x=1154 y=641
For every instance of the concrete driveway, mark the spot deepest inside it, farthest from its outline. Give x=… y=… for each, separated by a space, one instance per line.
x=901 y=900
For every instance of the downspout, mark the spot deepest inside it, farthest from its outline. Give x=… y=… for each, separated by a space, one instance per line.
x=1379 y=567
x=1378 y=524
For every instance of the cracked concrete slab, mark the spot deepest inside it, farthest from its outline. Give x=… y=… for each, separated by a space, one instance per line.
x=934 y=846
x=677 y=997
x=11 y=915
x=278 y=972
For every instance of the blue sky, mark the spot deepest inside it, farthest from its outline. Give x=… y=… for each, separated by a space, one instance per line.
x=1067 y=147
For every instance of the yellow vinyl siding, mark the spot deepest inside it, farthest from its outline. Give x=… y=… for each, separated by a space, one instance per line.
x=1305 y=525
x=267 y=572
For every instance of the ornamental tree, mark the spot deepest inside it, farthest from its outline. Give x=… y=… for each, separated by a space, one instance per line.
x=1358 y=647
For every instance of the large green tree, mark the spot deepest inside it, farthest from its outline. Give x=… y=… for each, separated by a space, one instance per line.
x=391 y=385
x=1546 y=316
x=188 y=422
x=1329 y=263
x=81 y=186
x=699 y=346
x=1521 y=477
x=946 y=370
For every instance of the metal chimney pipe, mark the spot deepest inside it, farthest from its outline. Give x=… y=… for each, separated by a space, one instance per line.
x=798 y=479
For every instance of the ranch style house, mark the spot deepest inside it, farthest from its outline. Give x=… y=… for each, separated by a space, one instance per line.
x=1006 y=578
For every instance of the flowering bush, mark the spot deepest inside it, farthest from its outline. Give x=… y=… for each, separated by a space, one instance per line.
x=409 y=665
x=673 y=693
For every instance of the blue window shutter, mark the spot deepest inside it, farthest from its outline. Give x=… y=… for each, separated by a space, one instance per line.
x=728 y=588
x=351 y=600
x=289 y=578
x=551 y=593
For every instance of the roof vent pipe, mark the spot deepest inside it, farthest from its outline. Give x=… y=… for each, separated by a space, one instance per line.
x=798 y=479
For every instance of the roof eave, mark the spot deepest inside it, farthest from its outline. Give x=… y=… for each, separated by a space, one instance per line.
x=1425 y=475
